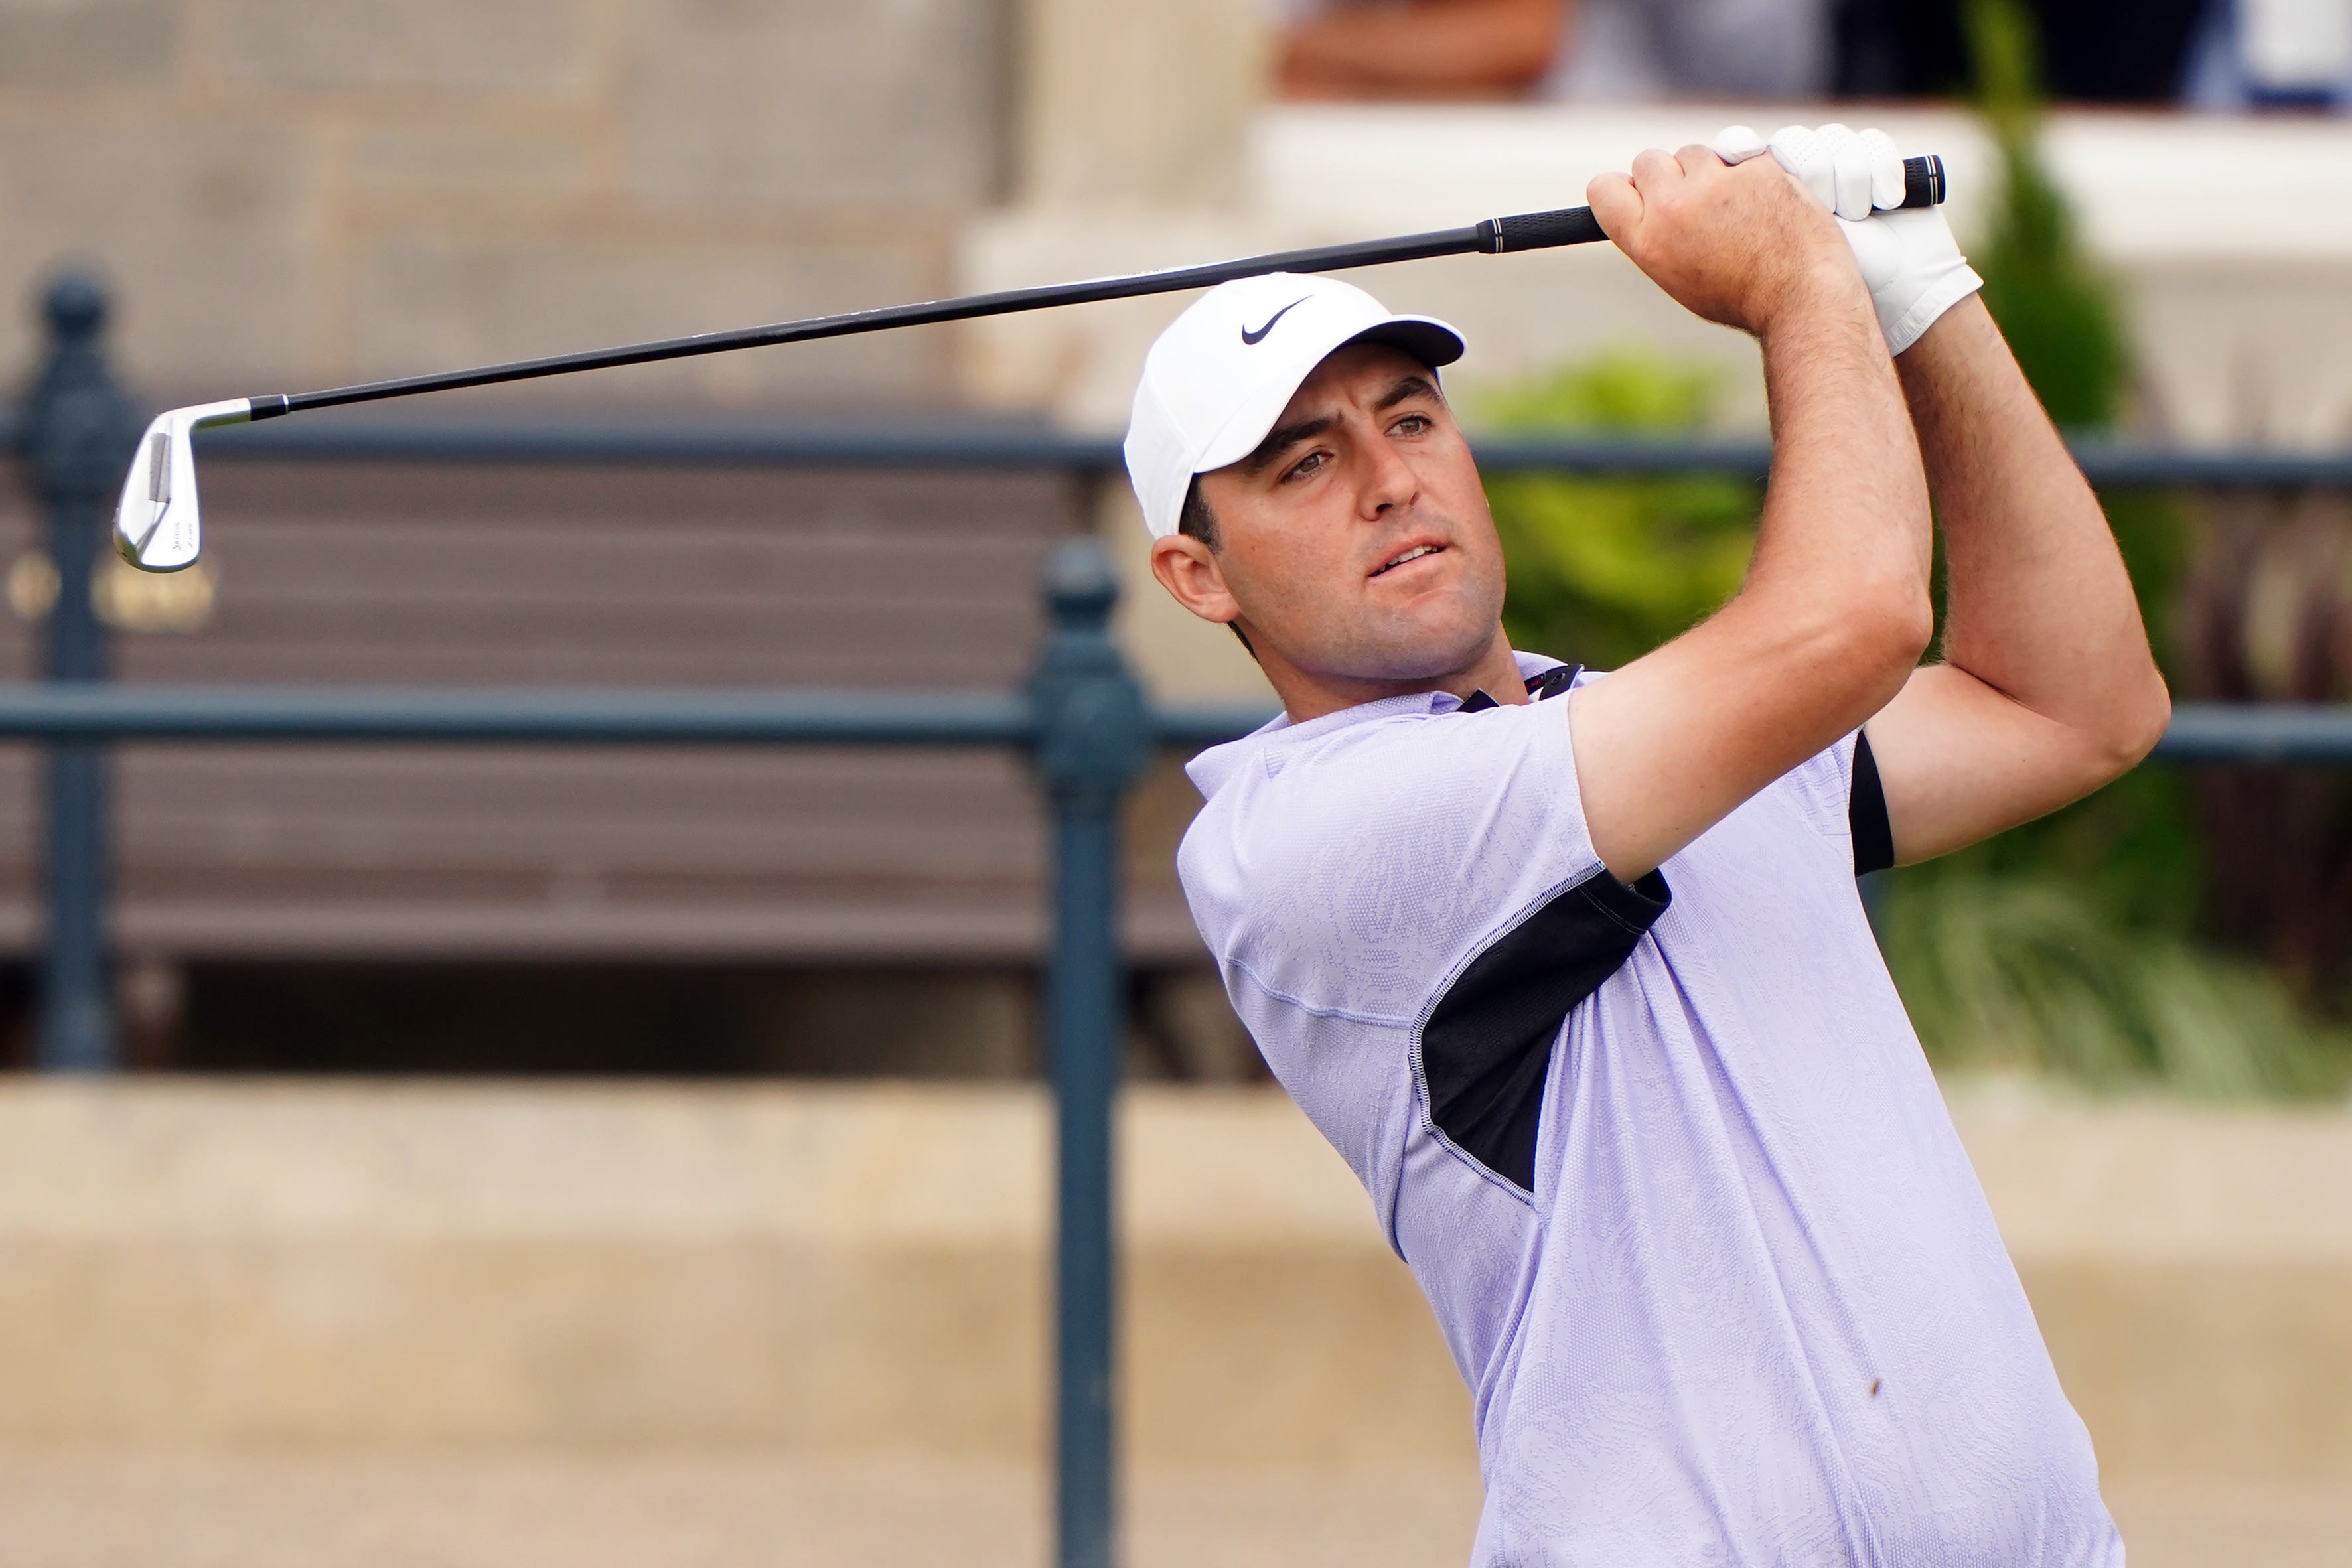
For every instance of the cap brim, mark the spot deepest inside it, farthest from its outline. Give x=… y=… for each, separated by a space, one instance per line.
x=1426 y=339
x=1432 y=342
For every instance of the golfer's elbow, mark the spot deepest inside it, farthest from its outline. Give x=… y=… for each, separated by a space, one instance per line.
x=1848 y=638
x=2134 y=725
x=1884 y=631
x=2107 y=729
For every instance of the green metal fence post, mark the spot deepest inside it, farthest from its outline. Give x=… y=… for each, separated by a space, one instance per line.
x=1093 y=739
x=78 y=435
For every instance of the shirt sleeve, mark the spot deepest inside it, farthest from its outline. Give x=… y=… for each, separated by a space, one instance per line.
x=1377 y=859
x=1436 y=871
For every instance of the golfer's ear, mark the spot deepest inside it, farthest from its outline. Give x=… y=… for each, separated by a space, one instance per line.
x=1188 y=569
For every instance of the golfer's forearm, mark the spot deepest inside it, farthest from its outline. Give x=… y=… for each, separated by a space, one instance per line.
x=2038 y=606
x=1843 y=542
x=1460 y=44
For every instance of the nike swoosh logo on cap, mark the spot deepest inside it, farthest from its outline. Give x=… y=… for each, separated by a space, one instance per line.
x=1254 y=338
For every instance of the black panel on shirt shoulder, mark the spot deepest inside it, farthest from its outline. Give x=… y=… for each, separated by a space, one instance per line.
x=1487 y=1045
x=1866 y=813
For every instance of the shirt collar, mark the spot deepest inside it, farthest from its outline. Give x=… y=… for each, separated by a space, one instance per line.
x=1212 y=770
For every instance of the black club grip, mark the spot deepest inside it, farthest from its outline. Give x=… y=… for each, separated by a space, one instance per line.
x=1923 y=180
x=1923 y=186
x=1540 y=231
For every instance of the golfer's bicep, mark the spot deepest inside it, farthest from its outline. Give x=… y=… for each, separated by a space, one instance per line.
x=1672 y=743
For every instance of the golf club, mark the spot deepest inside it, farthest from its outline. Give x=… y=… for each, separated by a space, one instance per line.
x=157 y=527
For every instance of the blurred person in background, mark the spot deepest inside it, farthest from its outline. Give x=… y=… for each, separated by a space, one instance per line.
x=1585 y=49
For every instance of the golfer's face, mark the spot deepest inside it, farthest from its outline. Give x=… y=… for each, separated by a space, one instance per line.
x=1356 y=540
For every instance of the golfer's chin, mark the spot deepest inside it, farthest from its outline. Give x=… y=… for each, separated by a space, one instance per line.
x=1430 y=640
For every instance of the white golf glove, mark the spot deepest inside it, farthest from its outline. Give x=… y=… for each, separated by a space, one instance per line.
x=1909 y=257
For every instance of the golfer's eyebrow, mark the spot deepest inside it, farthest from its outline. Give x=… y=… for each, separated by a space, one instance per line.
x=1279 y=440
x=1408 y=388
x=1282 y=439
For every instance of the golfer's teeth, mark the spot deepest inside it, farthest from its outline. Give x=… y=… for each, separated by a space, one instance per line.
x=1413 y=554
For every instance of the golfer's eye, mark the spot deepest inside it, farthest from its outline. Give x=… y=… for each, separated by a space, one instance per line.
x=1414 y=424
x=1304 y=466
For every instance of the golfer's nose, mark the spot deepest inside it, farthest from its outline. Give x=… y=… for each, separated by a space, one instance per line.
x=1389 y=480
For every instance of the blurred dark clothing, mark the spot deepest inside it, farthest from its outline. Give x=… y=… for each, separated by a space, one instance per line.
x=2092 y=51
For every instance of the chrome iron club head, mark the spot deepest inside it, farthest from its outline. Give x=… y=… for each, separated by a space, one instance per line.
x=157 y=527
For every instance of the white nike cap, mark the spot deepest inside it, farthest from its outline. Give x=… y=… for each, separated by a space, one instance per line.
x=1223 y=373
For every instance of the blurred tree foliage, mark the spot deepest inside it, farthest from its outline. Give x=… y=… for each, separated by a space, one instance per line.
x=2081 y=943
x=2020 y=971
x=2061 y=316
x=2132 y=849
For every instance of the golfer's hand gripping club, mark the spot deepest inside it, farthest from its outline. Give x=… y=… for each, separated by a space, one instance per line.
x=1923 y=186
x=1909 y=260
x=157 y=526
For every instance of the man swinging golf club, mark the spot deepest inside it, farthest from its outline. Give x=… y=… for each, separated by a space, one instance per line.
x=1571 y=969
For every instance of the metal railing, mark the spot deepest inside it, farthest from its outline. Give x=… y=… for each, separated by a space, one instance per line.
x=1082 y=719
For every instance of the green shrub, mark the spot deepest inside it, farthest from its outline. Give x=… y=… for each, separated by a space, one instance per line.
x=1601 y=570
x=2023 y=972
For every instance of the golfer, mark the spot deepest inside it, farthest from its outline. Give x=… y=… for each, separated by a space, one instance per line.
x=1572 y=968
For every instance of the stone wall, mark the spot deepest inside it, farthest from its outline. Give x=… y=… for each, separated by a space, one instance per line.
x=513 y=1323
x=315 y=190
x=860 y=1268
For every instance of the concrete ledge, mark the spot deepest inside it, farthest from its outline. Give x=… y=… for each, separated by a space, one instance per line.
x=842 y=1271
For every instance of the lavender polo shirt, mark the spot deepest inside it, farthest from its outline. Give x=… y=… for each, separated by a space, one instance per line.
x=1665 y=1158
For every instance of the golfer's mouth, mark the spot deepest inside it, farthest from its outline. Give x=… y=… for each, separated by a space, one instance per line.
x=1405 y=557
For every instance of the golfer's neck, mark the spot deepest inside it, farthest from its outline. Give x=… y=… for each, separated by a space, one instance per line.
x=1311 y=693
